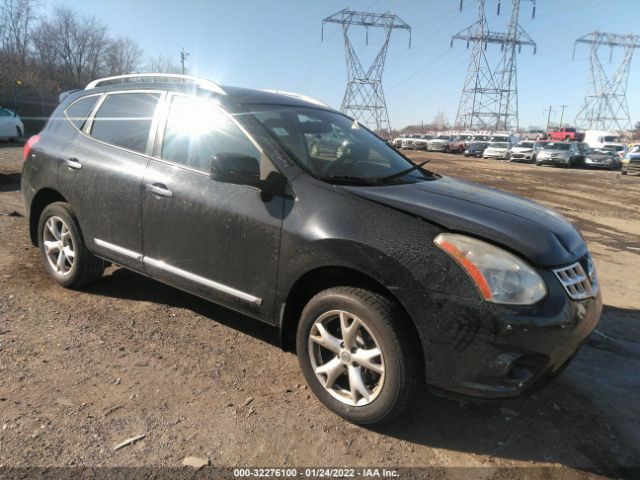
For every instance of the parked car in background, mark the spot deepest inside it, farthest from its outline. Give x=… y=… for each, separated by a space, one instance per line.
x=330 y=143
x=397 y=142
x=499 y=150
x=407 y=142
x=602 y=158
x=476 y=149
x=439 y=144
x=600 y=138
x=212 y=190
x=566 y=134
x=583 y=150
x=631 y=160
x=457 y=144
x=564 y=154
x=525 y=151
x=534 y=135
x=421 y=143
x=11 y=127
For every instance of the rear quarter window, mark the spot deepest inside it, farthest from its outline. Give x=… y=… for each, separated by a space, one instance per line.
x=79 y=110
x=124 y=120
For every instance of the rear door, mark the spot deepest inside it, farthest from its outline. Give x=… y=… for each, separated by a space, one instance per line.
x=101 y=173
x=217 y=240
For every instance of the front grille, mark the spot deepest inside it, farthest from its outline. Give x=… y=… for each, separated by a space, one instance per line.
x=578 y=284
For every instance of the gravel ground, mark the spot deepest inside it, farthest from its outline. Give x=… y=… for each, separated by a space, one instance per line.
x=81 y=371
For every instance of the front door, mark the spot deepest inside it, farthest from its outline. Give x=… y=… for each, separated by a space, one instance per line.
x=214 y=239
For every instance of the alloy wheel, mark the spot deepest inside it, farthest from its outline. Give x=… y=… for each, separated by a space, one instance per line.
x=346 y=358
x=58 y=245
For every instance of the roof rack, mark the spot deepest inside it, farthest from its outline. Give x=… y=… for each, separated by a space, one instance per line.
x=200 y=82
x=306 y=98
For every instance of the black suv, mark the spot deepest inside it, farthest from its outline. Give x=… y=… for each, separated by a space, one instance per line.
x=379 y=273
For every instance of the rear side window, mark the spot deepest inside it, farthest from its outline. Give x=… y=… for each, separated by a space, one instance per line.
x=197 y=130
x=79 y=110
x=124 y=119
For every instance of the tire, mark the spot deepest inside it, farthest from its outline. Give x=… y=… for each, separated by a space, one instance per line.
x=17 y=137
x=623 y=172
x=539 y=164
x=57 y=221
x=390 y=381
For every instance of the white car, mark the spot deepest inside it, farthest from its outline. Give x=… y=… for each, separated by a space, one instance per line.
x=498 y=150
x=439 y=144
x=11 y=127
x=421 y=143
x=524 y=151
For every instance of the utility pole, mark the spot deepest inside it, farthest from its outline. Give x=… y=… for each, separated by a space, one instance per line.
x=183 y=58
x=548 y=116
x=364 y=98
x=562 y=114
x=605 y=104
x=489 y=97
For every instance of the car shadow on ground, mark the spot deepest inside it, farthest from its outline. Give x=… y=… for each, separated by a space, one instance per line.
x=558 y=424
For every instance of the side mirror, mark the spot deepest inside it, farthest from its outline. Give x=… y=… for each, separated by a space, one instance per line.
x=241 y=169
x=236 y=168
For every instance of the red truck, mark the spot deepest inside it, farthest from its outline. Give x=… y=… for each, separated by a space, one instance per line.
x=565 y=133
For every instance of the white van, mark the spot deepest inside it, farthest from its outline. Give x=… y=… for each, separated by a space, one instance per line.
x=600 y=138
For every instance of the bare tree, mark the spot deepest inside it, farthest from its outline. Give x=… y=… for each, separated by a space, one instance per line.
x=16 y=23
x=123 y=56
x=440 y=121
x=73 y=46
x=162 y=64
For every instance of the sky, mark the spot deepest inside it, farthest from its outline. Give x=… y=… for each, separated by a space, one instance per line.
x=277 y=45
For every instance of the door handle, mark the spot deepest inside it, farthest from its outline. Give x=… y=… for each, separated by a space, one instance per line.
x=73 y=163
x=159 y=189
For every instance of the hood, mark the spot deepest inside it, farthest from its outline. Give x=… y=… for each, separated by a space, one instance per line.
x=497 y=149
x=537 y=233
x=521 y=149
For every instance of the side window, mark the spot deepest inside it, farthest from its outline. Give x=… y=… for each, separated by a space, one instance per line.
x=197 y=130
x=124 y=119
x=79 y=110
x=5 y=113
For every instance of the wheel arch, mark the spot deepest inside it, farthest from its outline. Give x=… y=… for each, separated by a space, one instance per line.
x=322 y=278
x=44 y=197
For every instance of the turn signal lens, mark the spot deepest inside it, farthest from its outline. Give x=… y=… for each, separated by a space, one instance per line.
x=499 y=276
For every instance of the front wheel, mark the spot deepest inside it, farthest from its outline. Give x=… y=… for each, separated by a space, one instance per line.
x=64 y=253
x=356 y=354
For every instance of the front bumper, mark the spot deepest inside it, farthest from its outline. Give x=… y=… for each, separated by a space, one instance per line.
x=597 y=163
x=521 y=157
x=631 y=167
x=483 y=350
x=501 y=156
x=553 y=160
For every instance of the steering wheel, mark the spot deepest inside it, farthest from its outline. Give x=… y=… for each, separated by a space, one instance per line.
x=346 y=162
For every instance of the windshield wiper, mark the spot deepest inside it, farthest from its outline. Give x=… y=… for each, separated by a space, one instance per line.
x=402 y=173
x=349 y=179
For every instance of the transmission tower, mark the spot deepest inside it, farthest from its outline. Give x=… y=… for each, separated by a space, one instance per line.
x=364 y=98
x=605 y=105
x=489 y=97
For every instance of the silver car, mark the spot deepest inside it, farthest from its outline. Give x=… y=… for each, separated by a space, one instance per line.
x=564 y=154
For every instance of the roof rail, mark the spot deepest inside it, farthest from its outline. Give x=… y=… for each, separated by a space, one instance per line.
x=200 y=82
x=306 y=98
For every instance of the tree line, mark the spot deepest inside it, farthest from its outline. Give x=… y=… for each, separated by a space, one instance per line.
x=44 y=55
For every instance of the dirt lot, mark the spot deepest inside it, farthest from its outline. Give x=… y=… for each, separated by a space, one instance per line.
x=80 y=371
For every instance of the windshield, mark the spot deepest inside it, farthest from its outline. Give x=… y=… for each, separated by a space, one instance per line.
x=524 y=145
x=500 y=139
x=444 y=137
x=334 y=148
x=478 y=145
x=615 y=148
x=556 y=146
x=499 y=145
x=611 y=138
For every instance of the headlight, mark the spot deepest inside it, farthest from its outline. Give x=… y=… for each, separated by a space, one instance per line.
x=499 y=276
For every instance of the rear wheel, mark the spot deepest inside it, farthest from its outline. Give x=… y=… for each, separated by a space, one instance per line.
x=64 y=253
x=357 y=355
